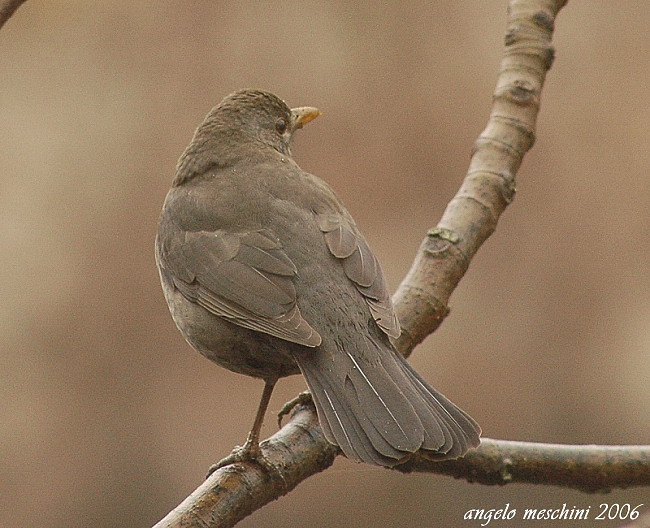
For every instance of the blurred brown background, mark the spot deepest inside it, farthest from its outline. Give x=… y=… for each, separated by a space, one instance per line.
x=107 y=417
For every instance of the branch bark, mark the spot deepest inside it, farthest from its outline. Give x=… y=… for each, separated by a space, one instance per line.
x=299 y=449
x=587 y=468
x=471 y=216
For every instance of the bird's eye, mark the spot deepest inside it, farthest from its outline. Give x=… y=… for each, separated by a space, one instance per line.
x=281 y=126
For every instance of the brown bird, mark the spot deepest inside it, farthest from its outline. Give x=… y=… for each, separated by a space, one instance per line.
x=267 y=274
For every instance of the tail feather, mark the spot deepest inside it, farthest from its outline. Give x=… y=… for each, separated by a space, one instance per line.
x=379 y=399
x=340 y=424
x=461 y=431
x=377 y=437
x=436 y=433
x=448 y=431
x=379 y=410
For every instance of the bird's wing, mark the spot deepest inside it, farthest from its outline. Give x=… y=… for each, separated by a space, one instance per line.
x=244 y=277
x=346 y=243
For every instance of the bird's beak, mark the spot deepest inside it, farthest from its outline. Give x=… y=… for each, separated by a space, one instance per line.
x=303 y=115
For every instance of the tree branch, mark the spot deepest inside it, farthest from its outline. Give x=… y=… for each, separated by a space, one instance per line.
x=299 y=449
x=8 y=8
x=587 y=468
x=471 y=216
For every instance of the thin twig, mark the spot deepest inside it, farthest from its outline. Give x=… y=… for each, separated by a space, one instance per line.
x=587 y=468
x=471 y=216
x=8 y=8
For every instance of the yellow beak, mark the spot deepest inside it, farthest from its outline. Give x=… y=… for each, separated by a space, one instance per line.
x=303 y=115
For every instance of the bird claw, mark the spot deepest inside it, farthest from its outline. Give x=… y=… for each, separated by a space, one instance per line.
x=249 y=452
x=304 y=398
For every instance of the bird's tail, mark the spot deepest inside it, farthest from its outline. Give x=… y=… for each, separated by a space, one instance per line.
x=378 y=409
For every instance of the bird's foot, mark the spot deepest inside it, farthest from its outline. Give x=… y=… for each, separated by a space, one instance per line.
x=304 y=398
x=249 y=452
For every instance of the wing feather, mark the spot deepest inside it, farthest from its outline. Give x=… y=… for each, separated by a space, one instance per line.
x=246 y=278
x=346 y=243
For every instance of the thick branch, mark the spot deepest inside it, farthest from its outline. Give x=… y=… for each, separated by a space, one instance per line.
x=8 y=8
x=298 y=451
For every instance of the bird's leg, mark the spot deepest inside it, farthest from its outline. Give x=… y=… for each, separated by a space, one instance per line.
x=253 y=440
x=304 y=398
x=250 y=451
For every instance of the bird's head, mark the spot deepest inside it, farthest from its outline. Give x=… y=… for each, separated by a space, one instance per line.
x=243 y=123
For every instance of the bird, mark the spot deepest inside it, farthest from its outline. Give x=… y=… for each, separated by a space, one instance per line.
x=267 y=274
